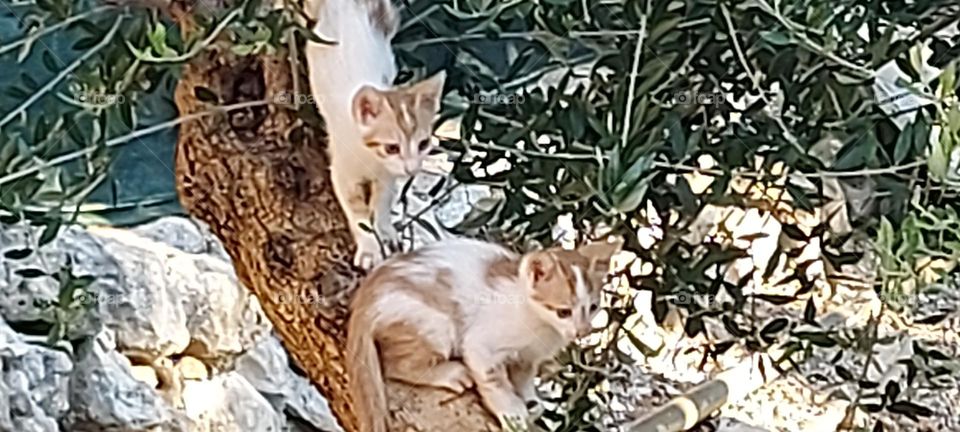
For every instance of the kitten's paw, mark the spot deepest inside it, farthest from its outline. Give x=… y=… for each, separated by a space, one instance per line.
x=368 y=253
x=454 y=376
x=390 y=239
x=512 y=413
x=514 y=422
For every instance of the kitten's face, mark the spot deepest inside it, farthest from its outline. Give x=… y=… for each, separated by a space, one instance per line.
x=565 y=284
x=396 y=124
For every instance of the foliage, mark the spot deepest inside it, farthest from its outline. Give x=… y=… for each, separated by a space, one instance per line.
x=600 y=108
x=66 y=317
x=924 y=248
x=596 y=111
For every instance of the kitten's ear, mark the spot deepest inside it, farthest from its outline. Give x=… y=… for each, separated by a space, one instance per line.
x=601 y=251
x=430 y=90
x=368 y=104
x=537 y=266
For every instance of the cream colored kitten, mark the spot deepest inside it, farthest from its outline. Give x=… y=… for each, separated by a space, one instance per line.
x=378 y=133
x=461 y=312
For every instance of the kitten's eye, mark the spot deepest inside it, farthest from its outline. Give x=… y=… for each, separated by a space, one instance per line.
x=564 y=313
x=424 y=145
x=392 y=148
x=593 y=308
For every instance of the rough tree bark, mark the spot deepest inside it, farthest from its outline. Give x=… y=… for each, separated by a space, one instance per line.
x=259 y=178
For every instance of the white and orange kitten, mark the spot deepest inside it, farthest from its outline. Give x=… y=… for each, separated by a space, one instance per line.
x=458 y=313
x=378 y=133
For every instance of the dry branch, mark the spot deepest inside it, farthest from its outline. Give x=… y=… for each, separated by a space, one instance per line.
x=684 y=412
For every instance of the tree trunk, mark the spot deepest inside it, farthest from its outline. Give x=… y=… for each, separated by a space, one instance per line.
x=259 y=178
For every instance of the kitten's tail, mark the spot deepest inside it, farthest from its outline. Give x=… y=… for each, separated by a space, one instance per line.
x=364 y=373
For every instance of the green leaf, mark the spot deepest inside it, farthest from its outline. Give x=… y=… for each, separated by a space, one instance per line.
x=17 y=253
x=854 y=154
x=810 y=312
x=50 y=231
x=644 y=349
x=904 y=144
x=242 y=50
x=800 y=197
x=891 y=390
x=30 y=273
x=776 y=38
x=85 y=43
x=693 y=326
x=778 y=300
x=629 y=191
x=843 y=373
x=204 y=94
x=910 y=409
x=775 y=326
x=251 y=8
x=731 y=326
x=678 y=139
x=50 y=62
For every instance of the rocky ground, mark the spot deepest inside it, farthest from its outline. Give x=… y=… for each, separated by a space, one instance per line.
x=181 y=346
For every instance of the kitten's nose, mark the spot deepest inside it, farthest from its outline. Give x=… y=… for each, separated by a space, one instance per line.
x=584 y=330
x=411 y=167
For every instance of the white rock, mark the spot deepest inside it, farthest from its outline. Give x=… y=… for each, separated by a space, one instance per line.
x=160 y=289
x=229 y=403
x=181 y=233
x=17 y=293
x=218 y=315
x=105 y=396
x=267 y=368
x=33 y=385
x=159 y=299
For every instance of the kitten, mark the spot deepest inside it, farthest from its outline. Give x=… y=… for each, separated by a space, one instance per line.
x=461 y=312
x=378 y=133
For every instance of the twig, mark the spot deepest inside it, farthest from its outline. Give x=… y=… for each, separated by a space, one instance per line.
x=820 y=174
x=62 y=75
x=528 y=35
x=873 y=326
x=755 y=79
x=113 y=142
x=631 y=90
x=860 y=71
x=428 y=207
x=30 y=38
x=533 y=153
x=200 y=46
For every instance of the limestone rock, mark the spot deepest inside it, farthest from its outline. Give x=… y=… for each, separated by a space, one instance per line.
x=162 y=291
x=159 y=297
x=229 y=403
x=266 y=367
x=17 y=293
x=181 y=233
x=219 y=316
x=104 y=395
x=146 y=375
x=191 y=368
x=33 y=385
